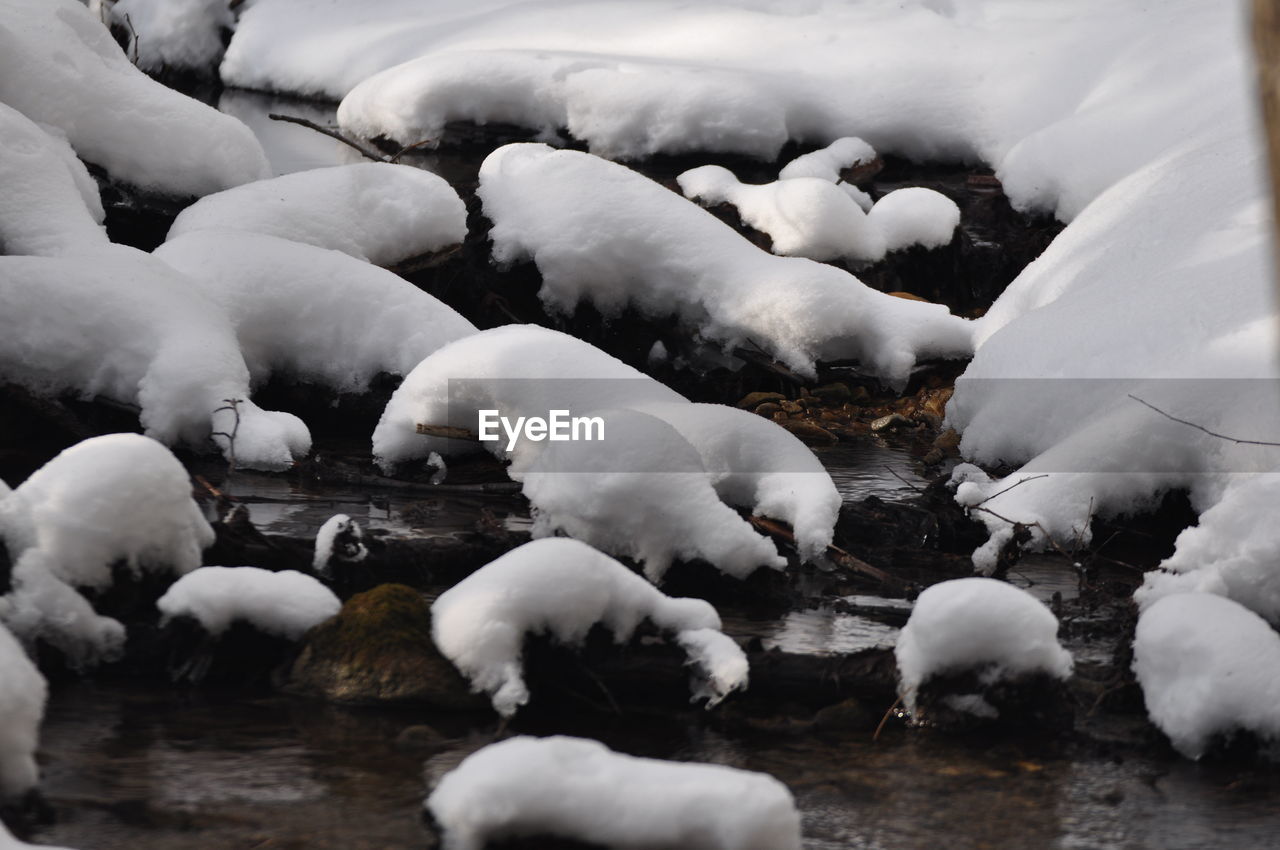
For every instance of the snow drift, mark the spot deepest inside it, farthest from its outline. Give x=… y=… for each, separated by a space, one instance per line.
x=285 y=603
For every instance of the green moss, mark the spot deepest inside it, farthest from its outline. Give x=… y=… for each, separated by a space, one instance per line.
x=390 y=620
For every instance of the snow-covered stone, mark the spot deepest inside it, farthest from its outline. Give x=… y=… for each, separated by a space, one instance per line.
x=340 y=537
x=21 y=709
x=59 y=66
x=286 y=603
x=312 y=314
x=601 y=233
x=562 y=588
x=915 y=216
x=121 y=324
x=978 y=624
x=827 y=163
x=374 y=211
x=1208 y=667
x=50 y=204
x=804 y=216
x=176 y=34
x=579 y=789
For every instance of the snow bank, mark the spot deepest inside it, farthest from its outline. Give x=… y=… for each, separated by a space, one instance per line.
x=313 y=314
x=117 y=499
x=977 y=624
x=562 y=588
x=373 y=211
x=286 y=603
x=827 y=163
x=176 y=34
x=604 y=234
x=59 y=66
x=121 y=324
x=1207 y=667
x=21 y=709
x=50 y=204
x=579 y=789
x=915 y=216
x=804 y=216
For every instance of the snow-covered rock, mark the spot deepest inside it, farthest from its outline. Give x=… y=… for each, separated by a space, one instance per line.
x=827 y=163
x=286 y=603
x=562 y=588
x=804 y=216
x=601 y=233
x=915 y=216
x=374 y=211
x=21 y=709
x=579 y=789
x=1208 y=667
x=309 y=313
x=50 y=204
x=339 y=538
x=980 y=625
x=121 y=324
x=176 y=34
x=59 y=66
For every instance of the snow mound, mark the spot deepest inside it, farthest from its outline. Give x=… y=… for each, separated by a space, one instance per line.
x=154 y=343
x=1208 y=667
x=21 y=710
x=602 y=233
x=175 y=34
x=339 y=537
x=827 y=163
x=915 y=216
x=59 y=66
x=977 y=624
x=374 y=211
x=120 y=498
x=562 y=588
x=579 y=789
x=314 y=314
x=804 y=216
x=50 y=204
x=286 y=603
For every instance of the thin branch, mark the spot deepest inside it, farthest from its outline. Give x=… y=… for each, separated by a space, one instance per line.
x=333 y=134
x=889 y=470
x=885 y=718
x=133 y=32
x=1010 y=487
x=395 y=157
x=1235 y=440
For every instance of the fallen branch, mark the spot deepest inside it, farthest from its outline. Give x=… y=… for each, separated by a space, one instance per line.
x=1235 y=440
x=840 y=556
x=333 y=134
x=448 y=431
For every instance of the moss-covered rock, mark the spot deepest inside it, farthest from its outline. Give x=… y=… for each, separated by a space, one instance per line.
x=378 y=649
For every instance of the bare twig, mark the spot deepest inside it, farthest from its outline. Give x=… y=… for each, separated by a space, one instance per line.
x=1010 y=487
x=1235 y=440
x=890 y=470
x=333 y=134
x=840 y=556
x=232 y=404
x=885 y=718
x=133 y=33
x=395 y=157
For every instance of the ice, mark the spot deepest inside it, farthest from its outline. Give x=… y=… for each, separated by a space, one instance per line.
x=286 y=603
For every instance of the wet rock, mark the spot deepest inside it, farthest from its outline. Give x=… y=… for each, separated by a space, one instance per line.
x=809 y=433
x=240 y=655
x=790 y=406
x=834 y=393
x=421 y=739
x=848 y=714
x=893 y=420
x=965 y=702
x=861 y=172
x=768 y=409
x=378 y=650
x=753 y=400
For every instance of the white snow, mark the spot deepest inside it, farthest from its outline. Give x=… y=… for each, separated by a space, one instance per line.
x=915 y=216
x=374 y=211
x=804 y=216
x=286 y=603
x=8 y=842
x=327 y=536
x=154 y=343
x=60 y=67
x=309 y=313
x=977 y=624
x=599 y=232
x=827 y=163
x=50 y=204
x=579 y=789
x=21 y=709
x=562 y=588
x=1207 y=667
x=177 y=34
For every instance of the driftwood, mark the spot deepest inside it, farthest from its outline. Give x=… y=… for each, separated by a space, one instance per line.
x=839 y=556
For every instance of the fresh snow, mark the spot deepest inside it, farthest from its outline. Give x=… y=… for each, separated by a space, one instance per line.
x=181 y=35
x=286 y=603
x=827 y=163
x=312 y=314
x=155 y=342
x=21 y=709
x=978 y=624
x=803 y=216
x=579 y=789
x=374 y=211
x=604 y=234
x=1208 y=667
x=50 y=204
x=915 y=216
x=59 y=66
x=562 y=588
